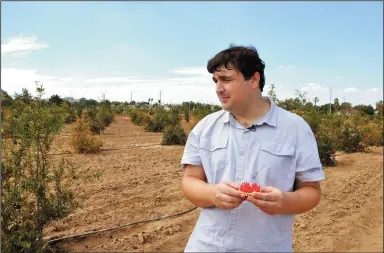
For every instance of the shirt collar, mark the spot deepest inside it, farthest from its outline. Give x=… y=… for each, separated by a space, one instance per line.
x=269 y=118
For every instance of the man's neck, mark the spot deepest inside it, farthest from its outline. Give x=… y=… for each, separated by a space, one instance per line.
x=248 y=115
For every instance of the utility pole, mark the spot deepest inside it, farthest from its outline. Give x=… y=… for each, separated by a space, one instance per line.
x=160 y=98
x=330 y=99
x=131 y=96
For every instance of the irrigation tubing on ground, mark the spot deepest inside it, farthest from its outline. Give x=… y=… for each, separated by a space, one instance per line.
x=119 y=227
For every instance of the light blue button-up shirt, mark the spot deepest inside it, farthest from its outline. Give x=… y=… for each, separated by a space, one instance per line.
x=280 y=150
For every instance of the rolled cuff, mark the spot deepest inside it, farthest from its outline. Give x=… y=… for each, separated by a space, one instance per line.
x=191 y=161
x=311 y=175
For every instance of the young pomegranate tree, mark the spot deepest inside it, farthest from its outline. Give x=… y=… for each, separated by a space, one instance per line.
x=34 y=190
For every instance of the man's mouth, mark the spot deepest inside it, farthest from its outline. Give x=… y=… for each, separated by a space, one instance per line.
x=224 y=98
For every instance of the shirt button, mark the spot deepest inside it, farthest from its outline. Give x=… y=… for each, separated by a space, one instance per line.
x=239 y=177
x=242 y=152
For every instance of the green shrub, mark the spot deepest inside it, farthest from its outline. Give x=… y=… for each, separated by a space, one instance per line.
x=351 y=139
x=83 y=140
x=186 y=115
x=151 y=112
x=119 y=110
x=133 y=115
x=104 y=116
x=351 y=135
x=68 y=111
x=139 y=118
x=155 y=125
x=94 y=124
x=373 y=134
x=174 y=135
x=326 y=149
x=70 y=117
x=313 y=118
x=161 y=120
x=79 y=111
x=34 y=192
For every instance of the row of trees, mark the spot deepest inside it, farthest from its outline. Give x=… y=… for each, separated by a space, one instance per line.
x=343 y=127
x=302 y=102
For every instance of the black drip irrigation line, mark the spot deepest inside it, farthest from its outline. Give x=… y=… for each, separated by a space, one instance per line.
x=118 y=227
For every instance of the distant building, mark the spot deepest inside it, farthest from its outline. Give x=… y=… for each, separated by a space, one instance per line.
x=348 y=112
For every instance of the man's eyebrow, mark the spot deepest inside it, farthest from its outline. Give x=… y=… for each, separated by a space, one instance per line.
x=223 y=77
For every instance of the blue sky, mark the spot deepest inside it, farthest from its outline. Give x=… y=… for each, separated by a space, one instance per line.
x=93 y=48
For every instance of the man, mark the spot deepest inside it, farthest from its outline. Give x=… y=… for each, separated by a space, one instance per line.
x=250 y=140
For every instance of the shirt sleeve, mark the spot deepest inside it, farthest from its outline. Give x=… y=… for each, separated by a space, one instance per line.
x=309 y=167
x=191 y=151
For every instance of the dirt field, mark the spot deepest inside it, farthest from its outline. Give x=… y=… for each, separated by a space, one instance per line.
x=126 y=183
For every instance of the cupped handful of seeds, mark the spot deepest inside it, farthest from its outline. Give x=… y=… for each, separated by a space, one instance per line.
x=248 y=188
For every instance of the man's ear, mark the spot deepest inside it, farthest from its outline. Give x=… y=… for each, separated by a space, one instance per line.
x=255 y=80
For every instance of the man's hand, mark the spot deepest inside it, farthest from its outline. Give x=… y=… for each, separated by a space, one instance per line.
x=226 y=195
x=274 y=201
x=269 y=200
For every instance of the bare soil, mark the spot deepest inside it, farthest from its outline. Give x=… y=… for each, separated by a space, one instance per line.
x=134 y=178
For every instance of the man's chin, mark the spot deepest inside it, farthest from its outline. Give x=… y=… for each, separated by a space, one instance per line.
x=225 y=106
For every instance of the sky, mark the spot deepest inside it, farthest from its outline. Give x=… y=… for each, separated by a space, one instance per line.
x=115 y=49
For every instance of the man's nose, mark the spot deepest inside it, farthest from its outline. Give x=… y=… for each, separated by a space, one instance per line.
x=219 y=87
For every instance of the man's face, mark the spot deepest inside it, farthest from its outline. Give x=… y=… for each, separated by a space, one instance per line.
x=232 y=89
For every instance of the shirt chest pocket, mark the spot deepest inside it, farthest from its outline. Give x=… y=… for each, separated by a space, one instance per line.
x=213 y=153
x=276 y=164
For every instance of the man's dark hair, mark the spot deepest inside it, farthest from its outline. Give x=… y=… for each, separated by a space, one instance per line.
x=244 y=59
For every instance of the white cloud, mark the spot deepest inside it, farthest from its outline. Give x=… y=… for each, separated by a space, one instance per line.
x=351 y=89
x=372 y=90
x=20 y=46
x=338 y=77
x=174 y=89
x=195 y=76
x=14 y=79
x=313 y=87
x=119 y=81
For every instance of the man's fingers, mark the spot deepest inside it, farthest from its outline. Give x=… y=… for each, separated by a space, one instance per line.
x=266 y=189
x=229 y=199
x=264 y=196
x=258 y=195
x=261 y=203
x=229 y=189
